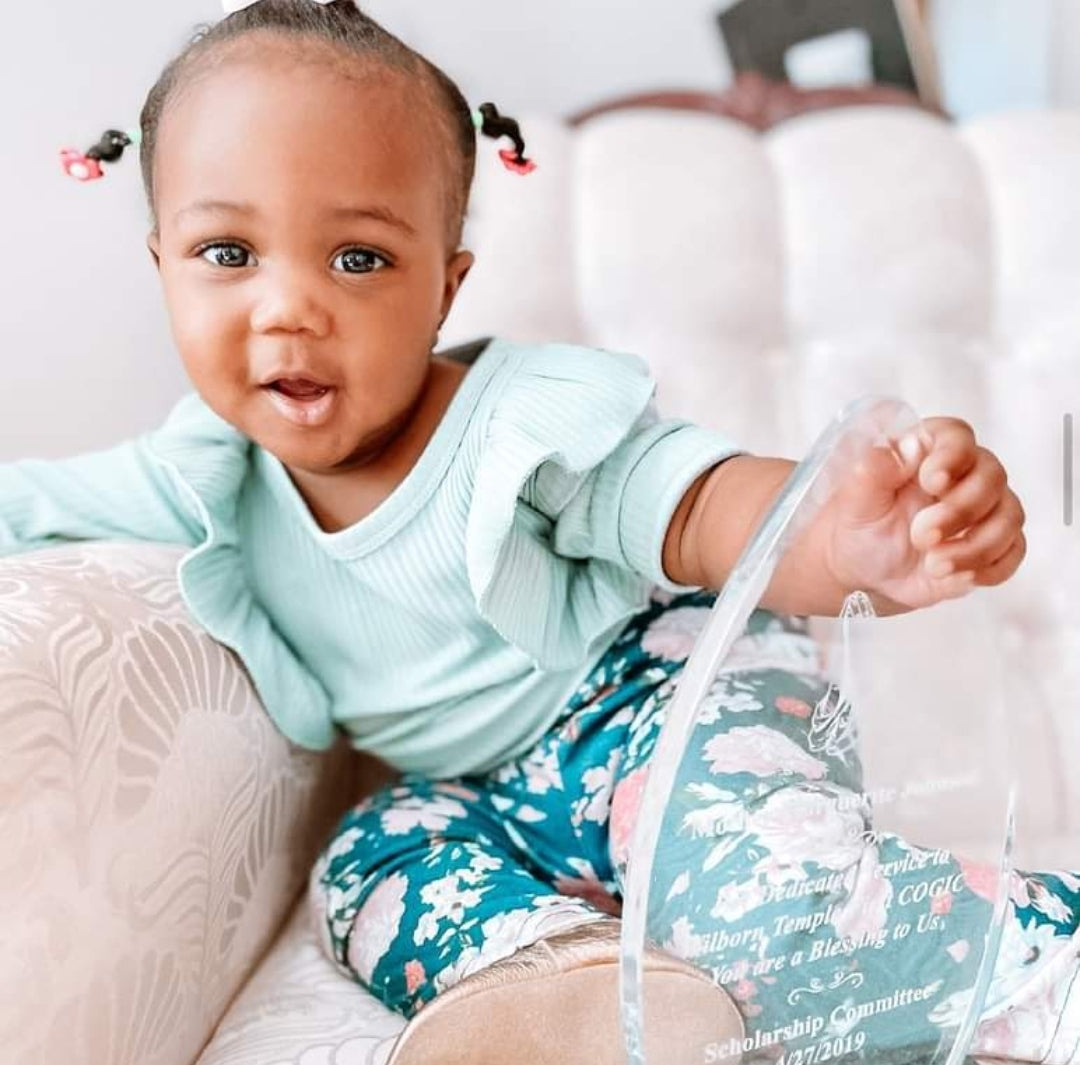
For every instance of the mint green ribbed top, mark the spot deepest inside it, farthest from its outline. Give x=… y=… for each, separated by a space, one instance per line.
x=444 y=631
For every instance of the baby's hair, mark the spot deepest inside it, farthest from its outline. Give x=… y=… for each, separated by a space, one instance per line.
x=109 y=148
x=492 y=124
x=343 y=25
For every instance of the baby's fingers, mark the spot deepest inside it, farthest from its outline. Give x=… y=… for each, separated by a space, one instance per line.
x=982 y=545
x=970 y=501
x=1004 y=567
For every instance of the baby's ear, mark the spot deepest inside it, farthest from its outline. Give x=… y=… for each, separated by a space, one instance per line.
x=153 y=242
x=460 y=265
x=456 y=270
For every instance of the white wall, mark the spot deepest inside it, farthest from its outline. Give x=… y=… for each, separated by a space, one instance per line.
x=564 y=54
x=86 y=357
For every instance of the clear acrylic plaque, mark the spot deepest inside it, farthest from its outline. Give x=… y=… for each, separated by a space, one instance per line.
x=844 y=883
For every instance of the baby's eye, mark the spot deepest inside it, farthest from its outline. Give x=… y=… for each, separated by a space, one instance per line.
x=222 y=254
x=359 y=261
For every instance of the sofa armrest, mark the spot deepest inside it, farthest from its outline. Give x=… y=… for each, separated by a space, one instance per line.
x=155 y=827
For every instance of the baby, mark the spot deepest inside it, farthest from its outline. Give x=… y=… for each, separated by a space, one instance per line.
x=476 y=569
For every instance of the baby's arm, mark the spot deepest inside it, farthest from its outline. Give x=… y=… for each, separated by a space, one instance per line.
x=910 y=525
x=117 y=493
x=715 y=521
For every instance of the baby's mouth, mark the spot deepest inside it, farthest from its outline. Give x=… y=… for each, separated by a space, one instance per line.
x=306 y=404
x=299 y=389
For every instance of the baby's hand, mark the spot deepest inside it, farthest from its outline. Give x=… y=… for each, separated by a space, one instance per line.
x=926 y=522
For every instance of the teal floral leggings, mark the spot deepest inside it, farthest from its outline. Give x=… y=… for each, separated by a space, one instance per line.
x=769 y=875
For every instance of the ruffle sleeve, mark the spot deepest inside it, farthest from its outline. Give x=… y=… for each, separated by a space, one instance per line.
x=209 y=459
x=575 y=487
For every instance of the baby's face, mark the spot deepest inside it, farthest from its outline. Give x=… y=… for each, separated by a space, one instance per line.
x=302 y=233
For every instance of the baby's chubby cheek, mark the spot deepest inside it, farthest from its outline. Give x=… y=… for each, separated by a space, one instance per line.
x=213 y=348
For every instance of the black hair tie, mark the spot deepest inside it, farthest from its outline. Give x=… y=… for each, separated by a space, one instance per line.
x=488 y=121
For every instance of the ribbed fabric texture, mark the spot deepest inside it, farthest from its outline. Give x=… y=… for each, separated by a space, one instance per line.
x=447 y=629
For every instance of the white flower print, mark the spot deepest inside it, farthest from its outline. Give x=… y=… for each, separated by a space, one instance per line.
x=427 y=927
x=722 y=815
x=680 y=887
x=774 y=649
x=432 y=814
x=673 y=633
x=530 y=814
x=800 y=825
x=1071 y=882
x=448 y=901
x=340 y=901
x=726 y=696
x=734 y=901
x=865 y=911
x=583 y=867
x=377 y=925
x=622 y=717
x=343 y=844
x=505 y=933
x=597 y=784
x=683 y=941
x=1036 y=1019
x=1045 y=901
x=1025 y=952
x=480 y=863
x=760 y=751
x=1027 y=996
x=447 y=897
x=542 y=773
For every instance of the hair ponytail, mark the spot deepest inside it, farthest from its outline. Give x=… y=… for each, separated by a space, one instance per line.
x=109 y=148
x=491 y=124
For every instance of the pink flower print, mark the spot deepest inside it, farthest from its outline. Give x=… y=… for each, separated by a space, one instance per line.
x=592 y=891
x=377 y=925
x=625 y=803
x=959 y=950
x=414 y=975
x=788 y=704
x=744 y=991
x=941 y=904
x=981 y=879
x=761 y=751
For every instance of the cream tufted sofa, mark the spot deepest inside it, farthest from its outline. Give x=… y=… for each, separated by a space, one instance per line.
x=155 y=830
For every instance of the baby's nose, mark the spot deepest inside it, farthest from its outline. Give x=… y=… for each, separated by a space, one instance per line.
x=291 y=304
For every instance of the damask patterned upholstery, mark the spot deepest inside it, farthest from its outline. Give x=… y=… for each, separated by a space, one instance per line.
x=157 y=829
